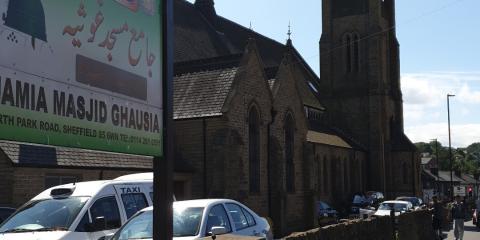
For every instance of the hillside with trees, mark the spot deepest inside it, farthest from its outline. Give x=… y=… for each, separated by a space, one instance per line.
x=467 y=160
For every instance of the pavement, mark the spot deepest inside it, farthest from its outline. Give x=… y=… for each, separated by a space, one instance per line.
x=471 y=232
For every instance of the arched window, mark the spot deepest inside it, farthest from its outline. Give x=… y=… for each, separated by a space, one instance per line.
x=347 y=41
x=351 y=41
x=356 y=53
x=254 y=149
x=405 y=173
x=325 y=175
x=289 y=153
x=346 y=184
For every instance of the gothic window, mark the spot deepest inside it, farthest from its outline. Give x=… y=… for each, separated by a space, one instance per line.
x=356 y=53
x=345 y=176
x=347 y=41
x=405 y=173
x=319 y=174
x=289 y=153
x=351 y=41
x=325 y=175
x=254 y=149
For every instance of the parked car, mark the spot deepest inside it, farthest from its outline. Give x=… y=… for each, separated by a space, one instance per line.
x=416 y=202
x=325 y=214
x=363 y=207
x=200 y=218
x=80 y=211
x=374 y=198
x=399 y=207
x=5 y=212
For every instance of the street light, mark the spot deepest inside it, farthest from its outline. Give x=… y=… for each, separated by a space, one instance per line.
x=438 y=167
x=450 y=146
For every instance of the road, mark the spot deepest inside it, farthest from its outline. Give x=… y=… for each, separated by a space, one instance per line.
x=471 y=232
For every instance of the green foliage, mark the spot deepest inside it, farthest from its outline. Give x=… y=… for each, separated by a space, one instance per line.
x=466 y=159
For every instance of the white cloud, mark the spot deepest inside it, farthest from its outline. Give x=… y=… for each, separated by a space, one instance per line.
x=462 y=134
x=466 y=95
x=425 y=106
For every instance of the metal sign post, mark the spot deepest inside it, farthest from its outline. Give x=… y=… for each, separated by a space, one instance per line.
x=163 y=167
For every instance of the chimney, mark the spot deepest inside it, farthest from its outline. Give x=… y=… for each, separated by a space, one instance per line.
x=207 y=8
x=434 y=171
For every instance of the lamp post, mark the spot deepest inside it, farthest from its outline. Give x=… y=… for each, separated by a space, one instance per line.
x=438 y=167
x=450 y=146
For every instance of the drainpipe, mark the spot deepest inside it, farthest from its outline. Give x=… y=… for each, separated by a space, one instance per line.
x=269 y=161
x=204 y=130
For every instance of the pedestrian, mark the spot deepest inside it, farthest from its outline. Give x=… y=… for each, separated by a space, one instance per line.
x=437 y=217
x=478 y=204
x=458 y=214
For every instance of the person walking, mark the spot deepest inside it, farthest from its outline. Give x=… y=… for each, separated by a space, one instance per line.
x=437 y=210
x=458 y=214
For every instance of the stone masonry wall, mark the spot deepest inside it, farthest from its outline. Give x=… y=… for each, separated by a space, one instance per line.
x=411 y=226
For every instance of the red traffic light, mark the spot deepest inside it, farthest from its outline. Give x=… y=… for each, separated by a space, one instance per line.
x=470 y=189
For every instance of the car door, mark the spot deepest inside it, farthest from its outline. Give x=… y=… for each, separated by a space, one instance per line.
x=216 y=217
x=242 y=220
x=105 y=207
x=134 y=197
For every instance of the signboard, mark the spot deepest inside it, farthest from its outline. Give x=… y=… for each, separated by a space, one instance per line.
x=459 y=191
x=84 y=74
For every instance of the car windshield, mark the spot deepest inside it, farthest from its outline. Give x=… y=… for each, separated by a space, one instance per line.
x=398 y=207
x=139 y=227
x=45 y=215
x=186 y=221
x=414 y=201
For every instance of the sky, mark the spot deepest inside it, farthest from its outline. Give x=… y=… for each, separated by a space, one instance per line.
x=439 y=51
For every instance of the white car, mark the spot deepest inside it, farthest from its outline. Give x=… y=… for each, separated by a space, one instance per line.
x=80 y=211
x=398 y=206
x=200 y=218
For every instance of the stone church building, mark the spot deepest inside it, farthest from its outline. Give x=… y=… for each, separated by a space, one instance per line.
x=260 y=126
x=253 y=121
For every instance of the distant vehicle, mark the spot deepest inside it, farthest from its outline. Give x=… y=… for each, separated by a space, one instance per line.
x=416 y=202
x=325 y=214
x=80 y=211
x=5 y=212
x=363 y=207
x=374 y=198
x=200 y=218
x=399 y=207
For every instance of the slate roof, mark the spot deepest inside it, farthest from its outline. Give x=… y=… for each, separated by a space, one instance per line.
x=197 y=38
x=35 y=155
x=201 y=94
x=319 y=127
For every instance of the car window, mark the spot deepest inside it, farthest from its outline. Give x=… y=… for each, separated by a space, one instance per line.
x=218 y=218
x=133 y=202
x=250 y=219
x=238 y=218
x=84 y=224
x=108 y=208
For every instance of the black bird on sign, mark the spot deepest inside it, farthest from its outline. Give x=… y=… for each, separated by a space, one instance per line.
x=27 y=16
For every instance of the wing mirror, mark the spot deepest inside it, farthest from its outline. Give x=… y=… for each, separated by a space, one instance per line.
x=217 y=230
x=99 y=224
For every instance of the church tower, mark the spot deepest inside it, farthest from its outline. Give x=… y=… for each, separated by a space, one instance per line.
x=360 y=84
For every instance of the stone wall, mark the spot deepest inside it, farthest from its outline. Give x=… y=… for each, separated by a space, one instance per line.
x=370 y=229
x=415 y=226
x=411 y=226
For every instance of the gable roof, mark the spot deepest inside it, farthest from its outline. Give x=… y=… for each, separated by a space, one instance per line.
x=198 y=38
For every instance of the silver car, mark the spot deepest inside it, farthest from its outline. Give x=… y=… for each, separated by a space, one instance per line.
x=200 y=218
